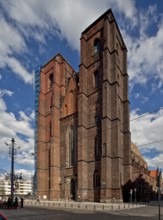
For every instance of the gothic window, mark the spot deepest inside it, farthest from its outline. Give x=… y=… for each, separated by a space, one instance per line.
x=96 y=79
x=66 y=110
x=97 y=147
x=72 y=146
x=67 y=78
x=97 y=118
x=96 y=46
x=71 y=100
x=51 y=80
x=96 y=179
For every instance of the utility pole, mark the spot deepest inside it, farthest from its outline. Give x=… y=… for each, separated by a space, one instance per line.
x=12 y=172
x=159 y=191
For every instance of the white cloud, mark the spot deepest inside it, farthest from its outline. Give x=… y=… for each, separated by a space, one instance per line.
x=58 y=17
x=20 y=129
x=145 y=51
x=137 y=95
x=32 y=116
x=19 y=70
x=6 y=92
x=37 y=19
x=24 y=117
x=147 y=131
x=12 y=42
x=7 y=44
x=155 y=161
x=2 y=103
x=141 y=97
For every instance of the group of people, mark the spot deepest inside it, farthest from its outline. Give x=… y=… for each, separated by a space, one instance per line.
x=15 y=203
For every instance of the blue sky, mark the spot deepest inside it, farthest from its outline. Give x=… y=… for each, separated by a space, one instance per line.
x=33 y=31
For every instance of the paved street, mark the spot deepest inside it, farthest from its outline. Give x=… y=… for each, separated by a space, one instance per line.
x=34 y=213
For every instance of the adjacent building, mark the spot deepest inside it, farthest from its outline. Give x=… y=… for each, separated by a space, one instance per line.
x=22 y=188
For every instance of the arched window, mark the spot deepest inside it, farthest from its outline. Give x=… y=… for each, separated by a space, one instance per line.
x=71 y=100
x=51 y=80
x=96 y=179
x=96 y=46
x=96 y=79
x=72 y=146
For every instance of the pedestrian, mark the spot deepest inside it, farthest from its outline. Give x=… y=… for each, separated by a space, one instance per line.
x=16 y=202
x=22 y=201
x=9 y=203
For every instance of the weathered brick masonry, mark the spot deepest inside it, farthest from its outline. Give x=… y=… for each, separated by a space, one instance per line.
x=83 y=143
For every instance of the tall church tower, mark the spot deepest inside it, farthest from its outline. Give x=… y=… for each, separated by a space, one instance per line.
x=54 y=77
x=103 y=113
x=83 y=135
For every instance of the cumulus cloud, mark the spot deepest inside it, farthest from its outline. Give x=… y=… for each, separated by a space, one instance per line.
x=2 y=103
x=155 y=161
x=19 y=70
x=146 y=133
x=6 y=92
x=145 y=50
x=37 y=20
x=18 y=128
x=10 y=47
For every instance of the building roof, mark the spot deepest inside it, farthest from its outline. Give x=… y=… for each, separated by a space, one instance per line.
x=135 y=150
x=103 y=16
x=153 y=173
x=55 y=57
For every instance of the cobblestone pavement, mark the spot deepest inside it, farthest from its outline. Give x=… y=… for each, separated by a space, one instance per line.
x=35 y=213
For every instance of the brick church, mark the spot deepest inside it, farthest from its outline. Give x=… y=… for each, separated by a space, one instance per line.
x=83 y=139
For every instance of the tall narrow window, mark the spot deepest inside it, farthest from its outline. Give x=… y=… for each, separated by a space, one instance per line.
x=97 y=148
x=51 y=80
x=66 y=110
x=72 y=146
x=96 y=46
x=96 y=79
x=96 y=179
x=71 y=100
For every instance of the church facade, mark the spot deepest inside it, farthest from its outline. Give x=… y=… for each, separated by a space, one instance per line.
x=83 y=139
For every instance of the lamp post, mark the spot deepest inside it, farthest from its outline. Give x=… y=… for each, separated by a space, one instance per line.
x=159 y=191
x=12 y=171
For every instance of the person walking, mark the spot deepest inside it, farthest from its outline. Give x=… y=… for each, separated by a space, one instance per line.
x=22 y=201
x=9 y=202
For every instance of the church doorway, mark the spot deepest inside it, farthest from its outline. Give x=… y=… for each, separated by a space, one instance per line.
x=73 y=189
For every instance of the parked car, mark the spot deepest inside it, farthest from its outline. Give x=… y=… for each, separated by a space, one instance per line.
x=2 y=217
